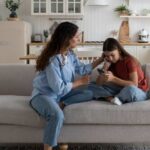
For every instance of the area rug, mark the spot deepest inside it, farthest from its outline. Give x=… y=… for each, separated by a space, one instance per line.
x=78 y=147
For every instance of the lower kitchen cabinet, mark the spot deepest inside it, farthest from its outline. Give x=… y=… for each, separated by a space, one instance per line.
x=143 y=53
x=131 y=50
x=81 y=51
x=35 y=49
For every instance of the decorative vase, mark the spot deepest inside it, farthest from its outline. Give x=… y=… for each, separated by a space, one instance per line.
x=13 y=14
x=124 y=32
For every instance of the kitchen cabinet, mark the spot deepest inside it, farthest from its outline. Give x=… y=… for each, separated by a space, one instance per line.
x=74 y=7
x=39 y=7
x=131 y=50
x=55 y=8
x=83 y=51
x=143 y=53
x=35 y=49
x=88 y=53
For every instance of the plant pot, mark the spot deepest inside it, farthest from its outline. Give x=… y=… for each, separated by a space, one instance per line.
x=13 y=14
x=13 y=19
x=124 y=13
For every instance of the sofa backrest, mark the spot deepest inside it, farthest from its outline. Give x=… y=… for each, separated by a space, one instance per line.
x=147 y=73
x=16 y=79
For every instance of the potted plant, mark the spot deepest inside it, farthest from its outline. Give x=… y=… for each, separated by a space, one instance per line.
x=122 y=10
x=12 y=6
x=46 y=34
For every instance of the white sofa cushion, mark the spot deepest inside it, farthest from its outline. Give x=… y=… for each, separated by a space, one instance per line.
x=15 y=110
x=99 y=112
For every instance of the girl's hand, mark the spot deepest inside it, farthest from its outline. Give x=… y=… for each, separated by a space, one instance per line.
x=109 y=77
x=100 y=79
x=106 y=66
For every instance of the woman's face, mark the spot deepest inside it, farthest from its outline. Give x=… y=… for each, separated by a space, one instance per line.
x=112 y=56
x=75 y=40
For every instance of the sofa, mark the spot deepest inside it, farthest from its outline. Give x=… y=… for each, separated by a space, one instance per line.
x=89 y=122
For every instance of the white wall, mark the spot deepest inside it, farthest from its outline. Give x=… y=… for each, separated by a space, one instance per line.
x=97 y=23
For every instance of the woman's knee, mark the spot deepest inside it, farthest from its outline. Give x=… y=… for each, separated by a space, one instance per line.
x=48 y=109
x=56 y=113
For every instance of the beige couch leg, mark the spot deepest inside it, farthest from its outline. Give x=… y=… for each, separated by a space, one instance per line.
x=63 y=146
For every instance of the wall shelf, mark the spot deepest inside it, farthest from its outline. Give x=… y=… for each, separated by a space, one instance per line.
x=134 y=16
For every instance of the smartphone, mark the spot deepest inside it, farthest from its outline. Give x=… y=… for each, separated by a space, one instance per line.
x=100 y=71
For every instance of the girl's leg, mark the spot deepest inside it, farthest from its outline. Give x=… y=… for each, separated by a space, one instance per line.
x=77 y=95
x=131 y=94
x=50 y=110
x=104 y=91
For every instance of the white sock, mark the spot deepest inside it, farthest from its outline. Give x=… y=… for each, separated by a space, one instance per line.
x=116 y=101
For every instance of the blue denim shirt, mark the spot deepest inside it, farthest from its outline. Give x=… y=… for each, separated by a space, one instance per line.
x=57 y=78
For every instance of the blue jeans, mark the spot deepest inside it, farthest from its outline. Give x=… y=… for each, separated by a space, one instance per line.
x=125 y=94
x=50 y=110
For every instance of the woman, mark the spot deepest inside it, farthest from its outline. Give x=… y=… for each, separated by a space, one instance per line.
x=124 y=81
x=54 y=85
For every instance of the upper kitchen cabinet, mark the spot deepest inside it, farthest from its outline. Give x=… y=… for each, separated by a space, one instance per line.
x=39 y=7
x=57 y=8
x=74 y=7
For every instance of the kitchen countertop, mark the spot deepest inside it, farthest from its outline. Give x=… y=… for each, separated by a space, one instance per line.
x=96 y=43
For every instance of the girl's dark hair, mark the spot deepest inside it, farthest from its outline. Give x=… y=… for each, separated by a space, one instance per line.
x=59 y=41
x=111 y=44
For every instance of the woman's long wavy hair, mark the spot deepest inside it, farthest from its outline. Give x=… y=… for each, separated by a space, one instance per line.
x=111 y=44
x=60 y=42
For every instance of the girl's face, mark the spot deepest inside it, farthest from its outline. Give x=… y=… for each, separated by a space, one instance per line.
x=75 y=40
x=112 y=56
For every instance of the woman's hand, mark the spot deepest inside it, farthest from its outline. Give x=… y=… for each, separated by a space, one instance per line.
x=82 y=81
x=85 y=80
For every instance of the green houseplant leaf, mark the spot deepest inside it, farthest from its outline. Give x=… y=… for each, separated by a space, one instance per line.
x=12 y=6
x=122 y=9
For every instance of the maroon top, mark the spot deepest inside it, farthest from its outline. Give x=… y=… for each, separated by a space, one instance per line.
x=124 y=67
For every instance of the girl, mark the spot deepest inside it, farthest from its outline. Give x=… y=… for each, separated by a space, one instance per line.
x=124 y=81
x=54 y=85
